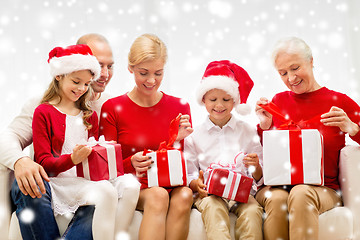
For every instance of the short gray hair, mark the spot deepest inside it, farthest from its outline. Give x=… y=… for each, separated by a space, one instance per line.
x=292 y=45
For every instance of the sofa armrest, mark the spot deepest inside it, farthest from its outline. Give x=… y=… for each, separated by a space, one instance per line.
x=349 y=178
x=5 y=206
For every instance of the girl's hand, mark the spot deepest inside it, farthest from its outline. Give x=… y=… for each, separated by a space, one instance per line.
x=185 y=128
x=80 y=153
x=338 y=118
x=141 y=163
x=198 y=185
x=264 y=117
x=251 y=161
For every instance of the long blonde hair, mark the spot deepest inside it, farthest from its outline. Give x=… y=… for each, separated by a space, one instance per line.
x=147 y=47
x=53 y=93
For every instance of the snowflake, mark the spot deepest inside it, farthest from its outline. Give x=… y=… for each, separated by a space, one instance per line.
x=27 y=215
x=122 y=236
x=220 y=8
x=223 y=180
x=268 y=194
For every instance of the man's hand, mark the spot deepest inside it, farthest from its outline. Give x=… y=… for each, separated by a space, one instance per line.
x=29 y=176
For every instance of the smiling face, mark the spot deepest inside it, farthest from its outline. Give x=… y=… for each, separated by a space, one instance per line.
x=219 y=105
x=148 y=76
x=296 y=72
x=103 y=54
x=74 y=85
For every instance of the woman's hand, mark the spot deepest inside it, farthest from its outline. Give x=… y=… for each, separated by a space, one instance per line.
x=198 y=185
x=80 y=153
x=336 y=117
x=185 y=128
x=141 y=163
x=264 y=117
x=251 y=161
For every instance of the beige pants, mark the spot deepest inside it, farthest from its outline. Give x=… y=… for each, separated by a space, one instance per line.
x=295 y=214
x=215 y=215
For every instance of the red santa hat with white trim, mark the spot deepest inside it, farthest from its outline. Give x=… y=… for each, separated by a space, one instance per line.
x=73 y=58
x=229 y=77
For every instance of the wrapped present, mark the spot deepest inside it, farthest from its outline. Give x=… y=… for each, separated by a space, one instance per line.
x=228 y=182
x=103 y=163
x=169 y=167
x=292 y=156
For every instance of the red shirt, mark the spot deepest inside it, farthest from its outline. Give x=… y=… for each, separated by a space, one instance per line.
x=308 y=105
x=48 y=138
x=136 y=127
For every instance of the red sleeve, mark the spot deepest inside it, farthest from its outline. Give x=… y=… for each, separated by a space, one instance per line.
x=108 y=122
x=42 y=131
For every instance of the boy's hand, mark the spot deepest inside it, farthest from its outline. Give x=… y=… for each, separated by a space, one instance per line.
x=185 y=128
x=199 y=186
x=251 y=161
x=80 y=153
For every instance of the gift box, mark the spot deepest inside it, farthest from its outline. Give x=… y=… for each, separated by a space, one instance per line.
x=225 y=182
x=169 y=167
x=292 y=157
x=103 y=163
x=291 y=154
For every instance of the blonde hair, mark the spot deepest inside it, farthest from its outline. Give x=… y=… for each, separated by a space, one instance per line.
x=292 y=45
x=53 y=93
x=146 y=47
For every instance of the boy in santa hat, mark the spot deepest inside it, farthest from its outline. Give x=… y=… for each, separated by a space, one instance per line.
x=220 y=139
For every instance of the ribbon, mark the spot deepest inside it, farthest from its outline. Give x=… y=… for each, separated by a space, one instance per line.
x=295 y=140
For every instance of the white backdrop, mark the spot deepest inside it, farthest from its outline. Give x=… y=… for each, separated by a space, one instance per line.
x=195 y=31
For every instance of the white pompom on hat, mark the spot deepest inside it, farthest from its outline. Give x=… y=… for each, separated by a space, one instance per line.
x=229 y=77
x=73 y=58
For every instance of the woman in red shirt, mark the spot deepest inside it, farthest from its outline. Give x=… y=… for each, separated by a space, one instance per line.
x=293 y=211
x=140 y=119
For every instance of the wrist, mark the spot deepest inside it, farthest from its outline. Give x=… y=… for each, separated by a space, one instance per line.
x=355 y=130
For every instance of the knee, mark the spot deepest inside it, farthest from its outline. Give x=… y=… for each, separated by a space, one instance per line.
x=276 y=201
x=253 y=211
x=103 y=191
x=301 y=196
x=157 y=200
x=213 y=203
x=182 y=200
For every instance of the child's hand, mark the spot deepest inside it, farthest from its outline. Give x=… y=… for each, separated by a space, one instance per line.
x=251 y=161
x=185 y=128
x=264 y=117
x=80 y=153
x=141 y=163
x=198 y=185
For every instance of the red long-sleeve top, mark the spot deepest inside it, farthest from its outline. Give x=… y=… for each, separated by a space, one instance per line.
x=136 y=127
x=309 y=105
x=48 y=138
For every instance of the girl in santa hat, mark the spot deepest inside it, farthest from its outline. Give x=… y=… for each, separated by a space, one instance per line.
x=140 y=119
x=219 y=140
x=60 y=122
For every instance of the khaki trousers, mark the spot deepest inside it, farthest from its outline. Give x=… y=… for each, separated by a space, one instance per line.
x=295 y=214
x=215 y=215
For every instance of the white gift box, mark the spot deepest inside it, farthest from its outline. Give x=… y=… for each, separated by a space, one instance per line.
x=168 y=169
x=293 y=157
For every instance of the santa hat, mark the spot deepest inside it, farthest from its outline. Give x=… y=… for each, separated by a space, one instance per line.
x=73 y=58
x=231 y=78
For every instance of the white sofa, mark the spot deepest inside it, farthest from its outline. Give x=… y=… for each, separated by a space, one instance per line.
x=338 y=223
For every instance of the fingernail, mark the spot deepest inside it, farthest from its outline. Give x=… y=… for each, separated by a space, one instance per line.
x=149 y=157
x=149 y=167
x=152 y=161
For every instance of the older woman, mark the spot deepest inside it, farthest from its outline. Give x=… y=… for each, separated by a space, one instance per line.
x=292 y=212
x=140 y=119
